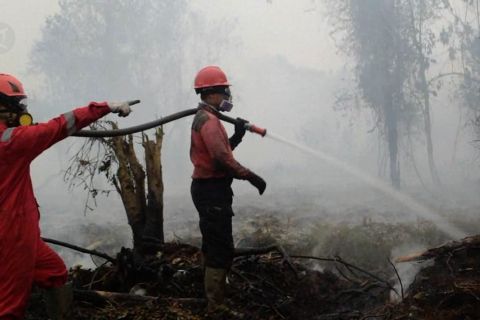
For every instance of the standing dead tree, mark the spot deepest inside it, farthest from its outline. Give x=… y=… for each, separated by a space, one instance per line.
x=153 y=164
x=140 y=186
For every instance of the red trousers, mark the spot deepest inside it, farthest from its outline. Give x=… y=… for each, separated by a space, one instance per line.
x=40 y=266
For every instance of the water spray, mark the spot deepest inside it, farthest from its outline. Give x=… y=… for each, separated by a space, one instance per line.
x=418 y=208
x=156 y=123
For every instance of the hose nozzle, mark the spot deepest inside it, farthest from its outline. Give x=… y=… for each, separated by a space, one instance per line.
x=248 y=126
x=133 y=102
x=253 y=128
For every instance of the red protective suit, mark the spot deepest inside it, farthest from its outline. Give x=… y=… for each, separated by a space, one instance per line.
x=24 y=258
x=210 y=150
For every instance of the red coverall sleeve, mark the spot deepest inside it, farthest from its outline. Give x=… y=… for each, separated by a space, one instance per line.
x=219 y=149
x=32 y=140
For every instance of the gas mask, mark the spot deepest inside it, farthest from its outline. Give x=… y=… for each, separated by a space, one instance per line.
x=226 y=104
x=19 y=108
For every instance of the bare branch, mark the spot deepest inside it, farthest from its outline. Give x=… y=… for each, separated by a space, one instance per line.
x=80 y=249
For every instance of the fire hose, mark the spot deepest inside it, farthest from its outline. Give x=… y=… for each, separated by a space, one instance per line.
x=152 y=124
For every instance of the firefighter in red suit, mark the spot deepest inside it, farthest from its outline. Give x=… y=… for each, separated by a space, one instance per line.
x=26 y=260
x=214 y=170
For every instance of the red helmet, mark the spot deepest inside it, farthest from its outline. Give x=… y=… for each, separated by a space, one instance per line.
x=11 y=86
x=210 y=76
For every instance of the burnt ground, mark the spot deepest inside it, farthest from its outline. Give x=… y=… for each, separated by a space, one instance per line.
x=169 y=285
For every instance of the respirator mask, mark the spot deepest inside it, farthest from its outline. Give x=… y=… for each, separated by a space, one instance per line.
x=226 y=104
x=19 y=108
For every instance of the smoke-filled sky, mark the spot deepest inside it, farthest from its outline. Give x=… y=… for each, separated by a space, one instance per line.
x=26 y=19
x=295 y=30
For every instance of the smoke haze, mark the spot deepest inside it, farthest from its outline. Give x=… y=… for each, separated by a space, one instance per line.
x=287 y=74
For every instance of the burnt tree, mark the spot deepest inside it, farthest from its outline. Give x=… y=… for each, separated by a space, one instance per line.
x=140 y=185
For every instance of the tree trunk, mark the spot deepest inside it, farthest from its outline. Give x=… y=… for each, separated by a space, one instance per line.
x=154 y=212
x=422 y=73
x=392 y=139
x=130 y=184
x=428 y=125
x=391 y=131
x=144 y=208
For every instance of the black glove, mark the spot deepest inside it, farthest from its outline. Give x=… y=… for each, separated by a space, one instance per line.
x=257 y=182
x=240 y=127
x=240 y=130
